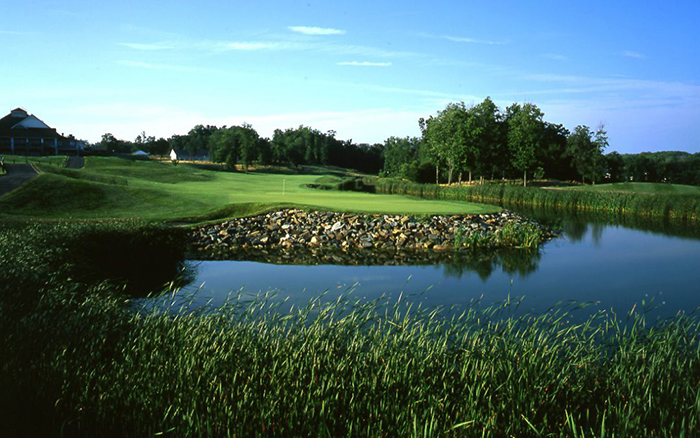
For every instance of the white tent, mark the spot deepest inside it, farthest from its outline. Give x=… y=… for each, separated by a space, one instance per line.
x=173 y=155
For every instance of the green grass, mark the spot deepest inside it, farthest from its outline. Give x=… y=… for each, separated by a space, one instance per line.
x=681 y=206
x=84 y=361
x=51 y=160
x=121 y=188
x=643 y=188
x=511 y=235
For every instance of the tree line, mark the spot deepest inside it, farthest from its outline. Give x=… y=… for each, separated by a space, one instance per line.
x=459 y=143
x=242 y=144
x=484 y=141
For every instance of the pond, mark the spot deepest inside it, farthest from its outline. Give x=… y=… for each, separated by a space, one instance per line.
x=614 y=266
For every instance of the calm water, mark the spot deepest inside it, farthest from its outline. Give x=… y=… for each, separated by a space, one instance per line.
x=615 y=266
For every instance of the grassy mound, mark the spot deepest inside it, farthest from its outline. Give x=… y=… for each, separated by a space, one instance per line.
x=161 y=172
x=53 y=195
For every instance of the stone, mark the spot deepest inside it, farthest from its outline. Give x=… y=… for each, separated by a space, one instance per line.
x=336 y=226
x=293 y=228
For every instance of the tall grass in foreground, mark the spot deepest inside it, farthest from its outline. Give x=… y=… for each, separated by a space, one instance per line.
x=92 y=367
x=77 y=358
x=667 y=206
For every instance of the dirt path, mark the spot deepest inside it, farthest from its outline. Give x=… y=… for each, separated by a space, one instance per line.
x=17 y=174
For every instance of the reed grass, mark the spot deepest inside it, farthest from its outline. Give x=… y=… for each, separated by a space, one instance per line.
x=511 y=235
x=676 y=207
x=349 y=368
x=81 y=359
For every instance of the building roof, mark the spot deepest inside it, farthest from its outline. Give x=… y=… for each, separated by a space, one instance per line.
x=13 y=125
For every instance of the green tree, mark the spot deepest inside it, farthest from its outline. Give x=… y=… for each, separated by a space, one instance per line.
x=586 y=151
x=399 y=156
x=486 y=129
x=448 y=141
x=248 y=140
x=237 y=143
x=525 y=133
x=143 y=142
x=160 y=147
x=264 y=151
x=223 y=147
x=553 y=155
x=198 y=138
x=615 y=165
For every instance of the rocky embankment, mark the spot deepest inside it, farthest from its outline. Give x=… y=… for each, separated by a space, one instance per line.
x=298 y=229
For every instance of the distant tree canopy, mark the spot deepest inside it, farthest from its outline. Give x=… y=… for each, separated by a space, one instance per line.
x=234 y=144
x=670 y=166
x=242 y=145
x=485 y=141
x=459 y=141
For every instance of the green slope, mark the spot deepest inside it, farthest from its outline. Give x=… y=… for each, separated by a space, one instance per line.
x=118 y=188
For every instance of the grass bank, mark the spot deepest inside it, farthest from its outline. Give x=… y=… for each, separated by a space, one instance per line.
x=652 y=201
x=122 y=188
x=86 y=363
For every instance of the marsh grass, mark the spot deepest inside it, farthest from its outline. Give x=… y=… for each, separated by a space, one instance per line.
x=347 y=367
x=511 y=235
x=79 y=358
x=667 y=205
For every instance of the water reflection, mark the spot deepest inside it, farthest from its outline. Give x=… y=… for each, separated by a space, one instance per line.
x=522 y=262
x=576 y=224
x=592 y=262
x=455 y=264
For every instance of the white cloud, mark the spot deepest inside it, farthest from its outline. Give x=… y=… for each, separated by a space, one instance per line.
x=279 y=44
x=630 y=54
x=366 y=64
x=316 y=30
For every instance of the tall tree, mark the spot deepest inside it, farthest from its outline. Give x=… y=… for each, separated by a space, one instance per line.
x=399 y=154
x=586 y=151
x=248 y=140
x=448 y=141
x=525 y=133
x=488 y=136
x=553 y=155
x=223 y=147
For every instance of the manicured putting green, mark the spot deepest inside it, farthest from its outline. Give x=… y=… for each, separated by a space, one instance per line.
x=111 y=187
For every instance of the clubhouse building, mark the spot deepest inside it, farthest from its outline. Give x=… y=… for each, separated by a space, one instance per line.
x=22 y=133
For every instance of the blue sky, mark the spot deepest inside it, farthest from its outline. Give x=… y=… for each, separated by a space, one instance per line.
x=367 y=70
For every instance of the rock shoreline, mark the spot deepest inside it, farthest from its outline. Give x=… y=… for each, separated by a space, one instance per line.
x=291 y=229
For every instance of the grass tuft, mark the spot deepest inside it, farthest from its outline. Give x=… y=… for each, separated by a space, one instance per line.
x=88 y=362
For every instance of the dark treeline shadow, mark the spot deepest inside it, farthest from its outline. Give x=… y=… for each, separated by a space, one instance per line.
x=143 y=262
